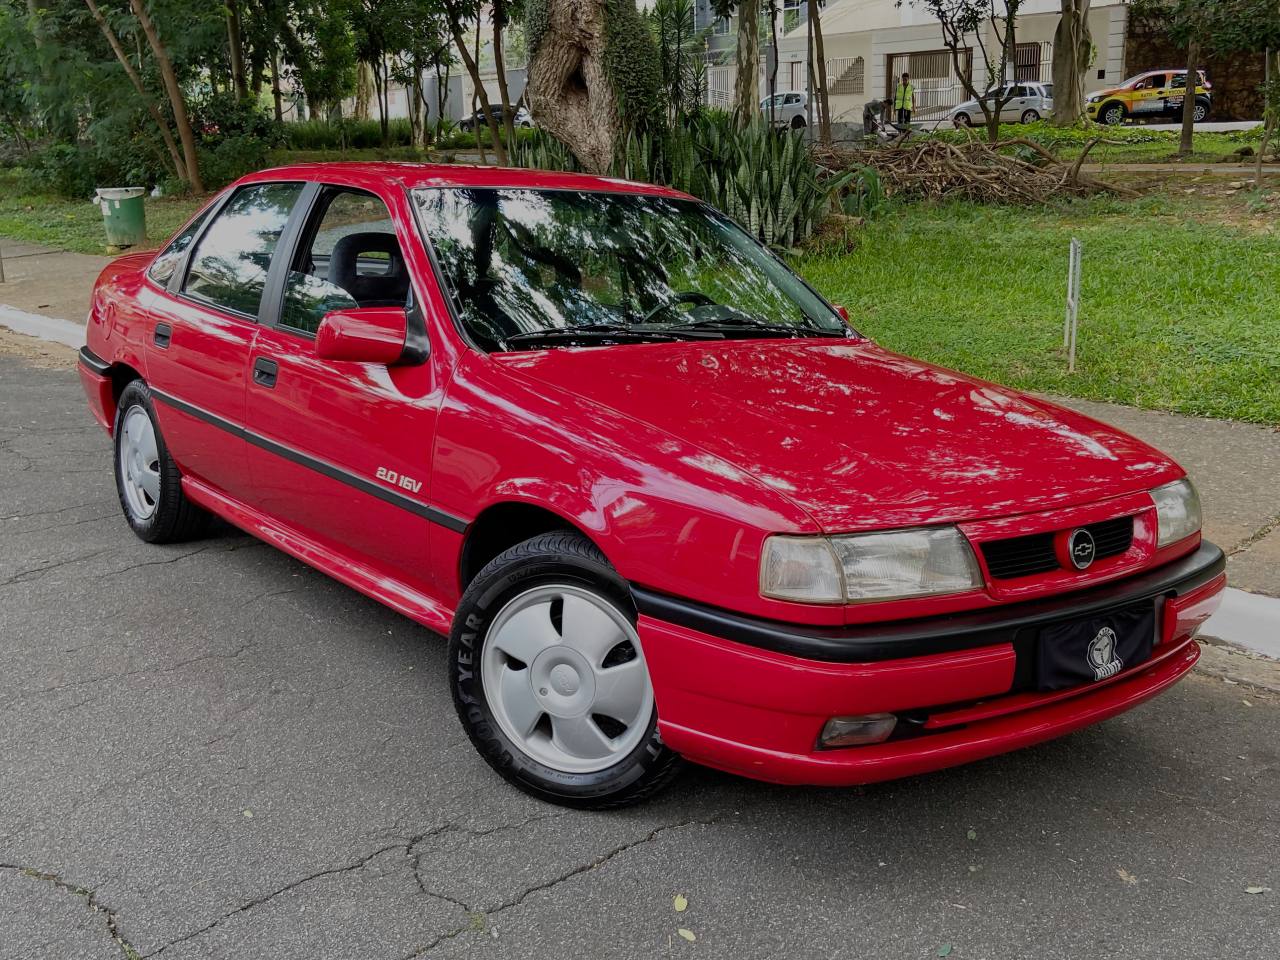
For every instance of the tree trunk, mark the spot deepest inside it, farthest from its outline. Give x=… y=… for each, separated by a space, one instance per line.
x=568 y=90
x=179 y=166
x=1072 y=45
x=235 y=45
x=508 y=120
x=1189 y=99
x=1271 y=114
x=820 y=55
x=746 y=82
x=176 y=101
x=773 y=63
x=364 y=90
x=276 y=94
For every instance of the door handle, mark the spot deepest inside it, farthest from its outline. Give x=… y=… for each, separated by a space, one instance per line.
x=161 y=336
x=265 y=371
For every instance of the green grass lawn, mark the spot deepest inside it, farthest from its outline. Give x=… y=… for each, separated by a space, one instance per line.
x=77 y=224
x=982 y=289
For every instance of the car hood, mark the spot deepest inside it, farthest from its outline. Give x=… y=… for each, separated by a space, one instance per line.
x=857 y=436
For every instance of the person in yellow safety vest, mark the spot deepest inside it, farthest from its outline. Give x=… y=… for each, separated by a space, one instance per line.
x=904 y=99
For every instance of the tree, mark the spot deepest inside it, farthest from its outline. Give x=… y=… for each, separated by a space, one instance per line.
x=991 y=25
x=1221 y=27
x=746 y=82
x=680 y=66
x=458 y=14
x=175 y=157
x=593 y=75
x=820 y=61
x=1072 y=53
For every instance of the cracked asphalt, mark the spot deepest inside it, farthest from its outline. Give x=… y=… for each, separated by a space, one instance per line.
x=210 y=750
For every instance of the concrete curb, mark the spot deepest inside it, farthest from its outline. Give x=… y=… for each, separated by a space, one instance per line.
x=1235 y=665
x=64 y=332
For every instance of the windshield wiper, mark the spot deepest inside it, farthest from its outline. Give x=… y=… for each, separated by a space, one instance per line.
x=745 y=322
x=598 y=331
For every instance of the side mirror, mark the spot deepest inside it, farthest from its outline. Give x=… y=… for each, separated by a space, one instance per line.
x=363 y=335
x=843 y=311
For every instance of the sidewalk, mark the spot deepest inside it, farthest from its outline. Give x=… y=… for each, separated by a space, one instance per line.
x=52 y=283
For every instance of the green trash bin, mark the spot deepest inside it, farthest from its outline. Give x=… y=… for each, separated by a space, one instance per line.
x=123 y=215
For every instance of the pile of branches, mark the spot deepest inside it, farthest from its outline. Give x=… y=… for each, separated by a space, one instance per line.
x=932 y=169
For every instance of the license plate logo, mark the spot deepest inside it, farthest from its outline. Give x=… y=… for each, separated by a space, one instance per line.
x=1101 y=654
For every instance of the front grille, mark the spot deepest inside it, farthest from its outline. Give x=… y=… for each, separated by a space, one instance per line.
x=1032 y=554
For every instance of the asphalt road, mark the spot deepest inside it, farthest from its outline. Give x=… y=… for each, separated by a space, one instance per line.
x=212 y=751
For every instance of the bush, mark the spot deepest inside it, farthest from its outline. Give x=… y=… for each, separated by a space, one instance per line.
x=230 y=158
x=76 y=170
x=346 y=134
x=217 y=116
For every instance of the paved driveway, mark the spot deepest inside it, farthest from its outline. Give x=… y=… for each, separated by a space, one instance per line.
x=212 y=751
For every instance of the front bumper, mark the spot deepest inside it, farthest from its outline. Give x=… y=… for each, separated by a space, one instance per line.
x=751 y=696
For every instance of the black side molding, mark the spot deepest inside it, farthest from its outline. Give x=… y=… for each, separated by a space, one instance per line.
x=94 y=362
x=323 y=467
x=930 y=635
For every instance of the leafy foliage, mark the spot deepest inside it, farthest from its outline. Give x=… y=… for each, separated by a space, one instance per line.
x=765 y=180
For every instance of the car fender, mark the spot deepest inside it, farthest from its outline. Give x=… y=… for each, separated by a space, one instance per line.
x=668 y=514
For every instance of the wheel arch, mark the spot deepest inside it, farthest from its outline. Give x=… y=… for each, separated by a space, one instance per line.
x=501 y=526
x=121 y=375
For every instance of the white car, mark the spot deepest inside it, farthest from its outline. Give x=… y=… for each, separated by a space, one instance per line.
x=790 y=109
x=1027 y=103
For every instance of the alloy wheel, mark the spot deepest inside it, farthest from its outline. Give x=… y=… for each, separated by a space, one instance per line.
x=565 y=677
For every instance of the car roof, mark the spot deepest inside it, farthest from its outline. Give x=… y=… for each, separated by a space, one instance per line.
x=361 y=173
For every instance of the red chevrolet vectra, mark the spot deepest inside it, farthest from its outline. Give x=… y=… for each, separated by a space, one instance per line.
x=663 y=499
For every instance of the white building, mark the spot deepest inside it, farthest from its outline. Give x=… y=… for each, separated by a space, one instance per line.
x=869 y=42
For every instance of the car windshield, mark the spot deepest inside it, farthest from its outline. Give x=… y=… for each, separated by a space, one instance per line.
x=544 y=268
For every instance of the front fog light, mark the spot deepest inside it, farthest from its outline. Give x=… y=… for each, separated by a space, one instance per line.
x=857 y=731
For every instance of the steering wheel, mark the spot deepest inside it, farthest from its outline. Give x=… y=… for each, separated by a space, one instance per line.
x=695 y=297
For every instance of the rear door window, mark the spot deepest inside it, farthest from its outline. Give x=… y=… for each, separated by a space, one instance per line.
x=230 y=263
x=170 y=258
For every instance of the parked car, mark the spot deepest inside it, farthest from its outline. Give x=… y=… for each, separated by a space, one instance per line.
x=520 y=116
x=1026 y=103
x=1154 y=95
x=790 y=109
x=664 y=500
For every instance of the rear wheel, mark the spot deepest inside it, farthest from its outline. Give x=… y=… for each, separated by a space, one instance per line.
x=147 y=480
x=1112 y=114
x=1030 y=116
x=549 y=678
x=797 y=122
x=1199 y=112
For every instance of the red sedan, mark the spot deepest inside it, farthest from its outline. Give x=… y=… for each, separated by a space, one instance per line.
x=664 y=500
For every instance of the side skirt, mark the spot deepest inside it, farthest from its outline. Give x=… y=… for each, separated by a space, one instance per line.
x=400 y=597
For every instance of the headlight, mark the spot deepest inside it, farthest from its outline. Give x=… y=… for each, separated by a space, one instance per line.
x=868 y=566
x=1177 y=510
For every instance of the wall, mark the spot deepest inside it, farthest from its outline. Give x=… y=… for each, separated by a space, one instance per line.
x=1235 y=79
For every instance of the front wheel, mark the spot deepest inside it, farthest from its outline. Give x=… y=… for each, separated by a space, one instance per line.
x=550 y=680
x=963 y=120
x=1030 y=116
x=1113 y=115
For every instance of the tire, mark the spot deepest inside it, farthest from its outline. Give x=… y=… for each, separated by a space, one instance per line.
x=521 y=714
x=962 y=120
x=1030 y=116
x=797 y=123
x=1199 y=112
x=148 y=482
x=1112 y=114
